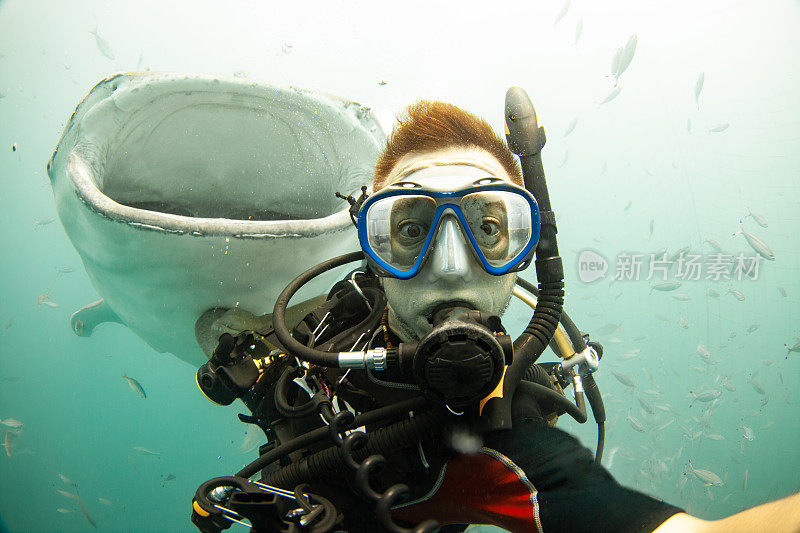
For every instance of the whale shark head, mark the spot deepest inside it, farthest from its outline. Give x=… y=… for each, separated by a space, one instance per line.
x=183 y=193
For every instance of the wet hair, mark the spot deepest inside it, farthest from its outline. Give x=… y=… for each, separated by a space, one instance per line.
x=428 y=126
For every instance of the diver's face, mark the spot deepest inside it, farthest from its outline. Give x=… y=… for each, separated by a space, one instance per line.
x=451 y=271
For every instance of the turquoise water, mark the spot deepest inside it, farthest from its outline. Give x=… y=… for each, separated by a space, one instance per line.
x=626 y=164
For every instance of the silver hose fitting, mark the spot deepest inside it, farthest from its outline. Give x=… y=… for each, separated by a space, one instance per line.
x=587 y=361
x=374 y=359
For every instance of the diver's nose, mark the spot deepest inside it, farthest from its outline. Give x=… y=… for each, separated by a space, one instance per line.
x=450 y=259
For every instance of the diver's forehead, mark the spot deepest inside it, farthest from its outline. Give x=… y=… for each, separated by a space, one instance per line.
x=448 y=169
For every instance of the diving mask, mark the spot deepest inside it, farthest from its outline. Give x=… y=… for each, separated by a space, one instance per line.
x=499 y=220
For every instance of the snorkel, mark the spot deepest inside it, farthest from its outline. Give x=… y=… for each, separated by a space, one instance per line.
x=526 y=139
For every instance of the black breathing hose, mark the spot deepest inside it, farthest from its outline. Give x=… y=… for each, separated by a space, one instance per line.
x=370 y=417
x=317 y=357
x=330 y=462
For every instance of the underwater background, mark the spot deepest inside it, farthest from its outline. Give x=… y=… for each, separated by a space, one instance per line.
x=700 y=131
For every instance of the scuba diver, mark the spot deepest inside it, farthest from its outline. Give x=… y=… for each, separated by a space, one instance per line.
x=399 y=402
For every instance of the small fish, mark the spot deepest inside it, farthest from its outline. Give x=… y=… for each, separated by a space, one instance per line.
x=680 y=252
x=42 y=222
x=562 y=13
x=578 y=31
x=714 y=244
x=744 y=483
x=628 y=206
x=135 y=386
x=681 y=297
x=665 y=286
x=683 y=322
x=610 y=96
x=13 y=423
x=635 y=423
x=102 y=45
x=626 y=57
x=564 y=161
x=652 y=225
x=662 y=318
x=286 y=48
x=145 y=451
x=783 y=292
x=10 y=441
x=67 y=494
x=609 y=328
x=703 y=351
x=698 y=88
x=757 y=386
x=603 y=170
x=739 y=295
x=795 y=348
x=49 y=303
x=760 y=220
x=251 y=440
x=748 y=433
x=65 y=479
x=8 y=324
x=42 y=297
x=65 y=269
x=571 y=127
x=764 y=401
x=662 y=427
x=84 y=510
x=714 y=436
x=241 y=74
x=64 y=511
x=170 y=477
x=646 y=405
x=612 y=453
x=382 y=83
x=706 y=396
x=719 y=128
x=756 y=244
x=615 y=62
x=708 y=477
x=105 y=502
x=689 y=125
x=712 y=293
x=728 y=385
x=624 y=379
x=14 y=147
x=752 y=327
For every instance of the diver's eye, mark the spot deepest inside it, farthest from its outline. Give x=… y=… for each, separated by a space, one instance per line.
x=490 y=227
x=411 y=230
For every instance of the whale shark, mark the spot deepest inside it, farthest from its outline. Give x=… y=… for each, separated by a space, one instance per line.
x=189 y=194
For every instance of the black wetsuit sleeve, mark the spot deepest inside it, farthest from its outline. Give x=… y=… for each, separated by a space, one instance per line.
x=573 y=492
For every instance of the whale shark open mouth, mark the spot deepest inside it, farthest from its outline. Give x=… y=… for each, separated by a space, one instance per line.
x=183 y=193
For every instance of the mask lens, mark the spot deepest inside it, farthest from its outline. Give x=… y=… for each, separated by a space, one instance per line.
x=500 y=221
x=398 y=226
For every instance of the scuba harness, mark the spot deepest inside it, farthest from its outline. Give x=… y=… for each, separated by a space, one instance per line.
x=379 y=397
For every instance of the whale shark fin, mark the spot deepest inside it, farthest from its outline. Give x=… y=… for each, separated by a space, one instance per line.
x=84 y=320
x=218 y=320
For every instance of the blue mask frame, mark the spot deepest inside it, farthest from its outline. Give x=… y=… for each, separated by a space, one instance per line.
x=518 y=262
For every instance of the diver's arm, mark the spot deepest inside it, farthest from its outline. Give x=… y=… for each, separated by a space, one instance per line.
x=781 y=516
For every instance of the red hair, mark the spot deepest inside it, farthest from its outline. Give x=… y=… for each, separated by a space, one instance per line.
x=430 y=126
